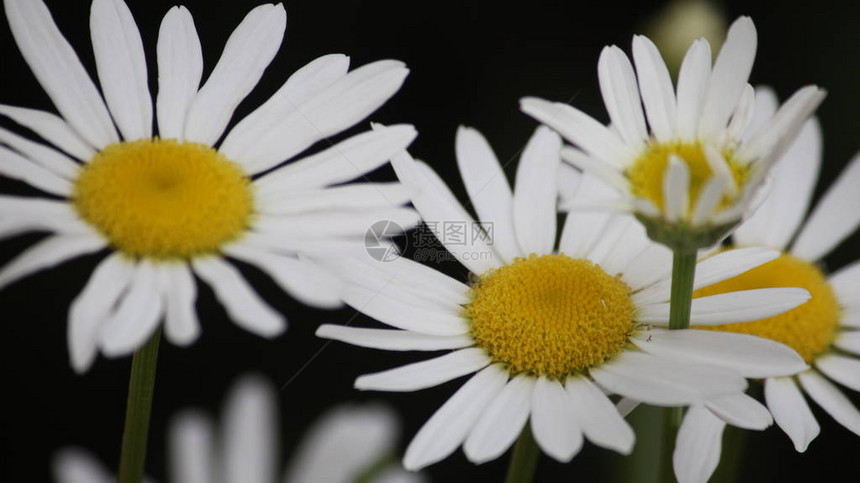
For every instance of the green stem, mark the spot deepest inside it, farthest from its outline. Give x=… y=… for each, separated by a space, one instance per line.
x=524 y=459
x=138 y=407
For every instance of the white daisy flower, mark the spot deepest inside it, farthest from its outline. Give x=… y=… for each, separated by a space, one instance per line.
x=824 y=330
x=172 y=205
x=689 y=173
x=548 y=329
x=345 y=443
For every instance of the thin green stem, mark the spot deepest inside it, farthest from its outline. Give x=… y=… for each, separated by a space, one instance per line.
x=524 y=459
x=138 y=408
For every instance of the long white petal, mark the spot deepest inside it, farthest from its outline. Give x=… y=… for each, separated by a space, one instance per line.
x=501 y=422
x=121 y=66
x=48 y=253
x=243 y=305
x=137 y=314
x=831 y=399
x=709 y=199
x=601 y=422
x=834 y=217
x=655 y=85
x=729 y=77
x=181 y=325
x=248 y=52
x=191 y=448
x=554 y=422
x=676 y=190
x=52 y=128
x=429 y=373
x=22 y=214
x=846 y=283
x=488 y=189
x=250 y=435
x=335 y=223
x=15 y=166
x=58 y=69
x=90 y=309
x=180 y=68
x=693 y=78
x=404 y=315
x=742 y=116
x=751 y=356
x=844 y=370
x=790 y=411
x=621 y=95
x=534 y=204
x=698 y=446
x=50 y=159
x=609 y=174
x=728 y=308
x=450 y=425
x=653 y=264
x=848 y=341
x=742 y=411
x=393 y=340
x=582 y=229
x=348 y=197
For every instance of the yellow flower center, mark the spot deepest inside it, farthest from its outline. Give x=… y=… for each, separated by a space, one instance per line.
x=163 y=198
x=808 y=329
x=646 y=174
x=550 y=315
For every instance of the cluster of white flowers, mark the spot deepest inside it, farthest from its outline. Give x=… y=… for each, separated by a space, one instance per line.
x=562 y=329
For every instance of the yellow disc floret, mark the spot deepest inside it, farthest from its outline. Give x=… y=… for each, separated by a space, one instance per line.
x=809 y=329
x=646 y=174
x=164 y=199
x=550 y=315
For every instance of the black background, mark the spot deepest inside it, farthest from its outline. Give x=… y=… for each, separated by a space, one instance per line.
x=470 y=63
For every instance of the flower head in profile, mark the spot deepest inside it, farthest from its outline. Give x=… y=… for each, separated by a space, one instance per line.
x=346 y=443
x=176 y=204
x=823 y=331
x=548 y=329
x=686 y=164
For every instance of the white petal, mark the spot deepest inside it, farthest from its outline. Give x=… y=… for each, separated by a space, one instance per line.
x=844 y=370
x=250 y=435
x=137 y=313
x=58 y=69
x=488 y=189
x=766 y=104
x=655 y=85
x=191 y=448
x=729 y=77
x=720 y=168
x=73 y=465
x=15 y=166
x=601 y=422
x=709 y=198
x=580 y=129
x=450 y=425
x=181 y=325
x=742 y=116
x=344 y=442
x=568 y=178
x=664 y=382
x=243 y=305
x=676 y=190
x=790 y=411
x=742 y=411
x=48 y=253
x=554 y=422
x=692 y=86
x=834 y=217
x=714 y=269
x=22 y=214
x=831 y=399
x=621 y=95
x=180 y=68
x=436 y=203
x=301 y=280
x=698 y=446
x=52 y=128
x=728 y=308
x=429 y=373
x=341 y=105
x=90 y=309
x=501 y=422
x=248 y=52
x=749 y=355
x=335 y=223
x=50 y=159
x=534 y=204
x=404 y=315
x=654 y=263
x=349 y=197
x=121 y=66
x=305 y=83
x=848 y=341
x=582 y=229
x=846 y=283
x=344 y=161
x=393 y=340
x=609 y=174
